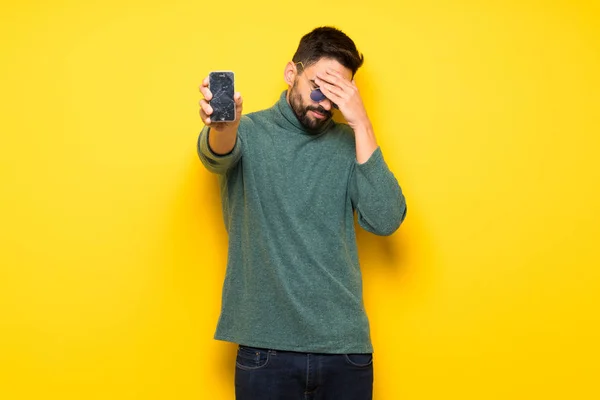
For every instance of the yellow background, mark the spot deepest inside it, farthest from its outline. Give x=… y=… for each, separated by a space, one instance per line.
x=112 y=243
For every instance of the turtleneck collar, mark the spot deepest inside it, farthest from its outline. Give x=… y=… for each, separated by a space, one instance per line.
x=288 y=114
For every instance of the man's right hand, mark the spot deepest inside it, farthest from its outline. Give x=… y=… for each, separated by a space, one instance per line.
x=223 y=141
x=206 y=110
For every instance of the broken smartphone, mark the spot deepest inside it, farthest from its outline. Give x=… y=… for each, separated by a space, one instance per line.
x=221 y=85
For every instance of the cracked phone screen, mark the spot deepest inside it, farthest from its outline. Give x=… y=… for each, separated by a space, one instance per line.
x=221 y=87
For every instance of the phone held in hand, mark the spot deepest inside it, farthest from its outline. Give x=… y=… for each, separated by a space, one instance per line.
x=221 y=85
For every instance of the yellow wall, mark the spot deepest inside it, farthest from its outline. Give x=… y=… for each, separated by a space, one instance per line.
x=112 y=243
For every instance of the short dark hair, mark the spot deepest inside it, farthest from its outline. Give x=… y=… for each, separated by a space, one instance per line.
x=328 y=42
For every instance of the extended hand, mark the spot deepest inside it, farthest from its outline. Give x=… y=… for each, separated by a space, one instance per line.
x=206 y=110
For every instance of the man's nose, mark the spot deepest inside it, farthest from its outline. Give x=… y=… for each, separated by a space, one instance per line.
x=326 y=104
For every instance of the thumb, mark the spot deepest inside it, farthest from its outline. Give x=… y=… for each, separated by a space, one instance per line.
x=237 y=97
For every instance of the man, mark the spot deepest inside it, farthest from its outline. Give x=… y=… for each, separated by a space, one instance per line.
x=291 y=179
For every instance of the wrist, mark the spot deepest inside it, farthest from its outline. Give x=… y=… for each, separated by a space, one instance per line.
x=362 y=127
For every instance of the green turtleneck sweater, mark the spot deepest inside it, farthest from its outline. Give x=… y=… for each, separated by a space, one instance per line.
x=293 y=280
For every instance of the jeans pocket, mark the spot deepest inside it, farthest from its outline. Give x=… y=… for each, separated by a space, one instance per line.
x=252 y=358
x=359 y=360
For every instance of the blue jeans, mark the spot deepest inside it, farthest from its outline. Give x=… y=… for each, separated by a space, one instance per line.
x=285 y=375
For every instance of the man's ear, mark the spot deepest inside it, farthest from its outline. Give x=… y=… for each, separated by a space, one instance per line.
x=290 y=72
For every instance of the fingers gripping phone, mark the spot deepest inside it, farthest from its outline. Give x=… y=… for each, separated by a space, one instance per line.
x=221 y=85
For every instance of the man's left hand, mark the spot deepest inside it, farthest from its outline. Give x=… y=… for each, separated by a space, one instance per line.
x=345 y=95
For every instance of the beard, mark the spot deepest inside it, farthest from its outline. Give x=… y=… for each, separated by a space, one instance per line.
x=301 y=112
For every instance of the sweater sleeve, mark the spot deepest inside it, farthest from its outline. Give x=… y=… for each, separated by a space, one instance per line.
x=218 y=163
x=377 y=196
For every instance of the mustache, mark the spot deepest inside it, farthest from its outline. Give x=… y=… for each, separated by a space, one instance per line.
x=320 y=110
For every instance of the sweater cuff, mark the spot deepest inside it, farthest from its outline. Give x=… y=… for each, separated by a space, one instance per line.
x=374 y=163
x=204 y=148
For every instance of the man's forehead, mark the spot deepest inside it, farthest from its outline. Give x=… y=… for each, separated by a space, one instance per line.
x=326 y=63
